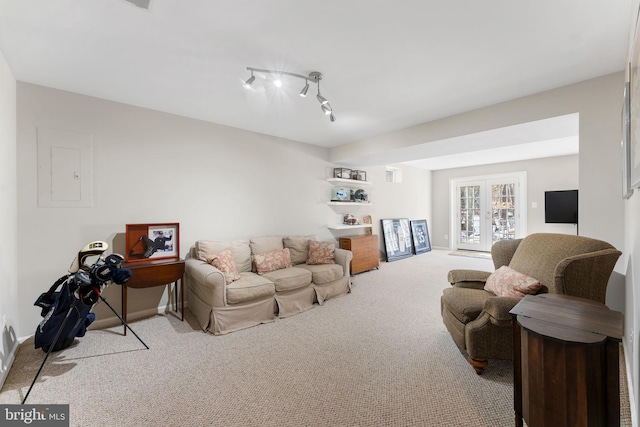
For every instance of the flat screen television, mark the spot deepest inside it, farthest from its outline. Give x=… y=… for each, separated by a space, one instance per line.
x=561 y=207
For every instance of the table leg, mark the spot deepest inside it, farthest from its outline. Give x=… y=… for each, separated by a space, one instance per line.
x=124 y=308
x=182 y=296
x=517 y=372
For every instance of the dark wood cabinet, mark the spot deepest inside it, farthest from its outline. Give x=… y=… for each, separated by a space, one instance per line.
x=365 y=252
x=566 y=362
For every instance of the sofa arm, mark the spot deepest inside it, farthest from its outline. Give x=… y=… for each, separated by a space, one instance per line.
x=468 y=278
x=206 y=281
x=344 y=257
x=499 y=307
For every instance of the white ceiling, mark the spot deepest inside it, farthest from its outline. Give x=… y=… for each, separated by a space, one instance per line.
x=386 y=65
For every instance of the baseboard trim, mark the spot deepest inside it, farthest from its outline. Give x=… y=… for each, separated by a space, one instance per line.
x=632 y=399
x=112 y=321
x=7 y=364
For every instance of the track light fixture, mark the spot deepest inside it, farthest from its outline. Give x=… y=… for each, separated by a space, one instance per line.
x=314 y=77
x=247 y=84
x=305 y=89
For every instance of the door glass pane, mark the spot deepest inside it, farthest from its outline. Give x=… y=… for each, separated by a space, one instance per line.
x=470 y=214
x=503 y=212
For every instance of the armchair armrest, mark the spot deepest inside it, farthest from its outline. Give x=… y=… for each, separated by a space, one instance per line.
x=499 y=307
x=468 y=278
x=206 y=281
x=343 y=257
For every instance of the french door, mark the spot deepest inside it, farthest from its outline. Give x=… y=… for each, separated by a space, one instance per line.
x=488 y=210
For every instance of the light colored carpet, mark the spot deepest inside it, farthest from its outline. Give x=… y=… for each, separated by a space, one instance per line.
x=379 y=356
x=471 y=254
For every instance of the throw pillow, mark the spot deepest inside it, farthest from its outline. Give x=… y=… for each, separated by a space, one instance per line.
x=224 y=262
x=298 y=247
x=321 y=253
x=507 y=282
x=272 y=261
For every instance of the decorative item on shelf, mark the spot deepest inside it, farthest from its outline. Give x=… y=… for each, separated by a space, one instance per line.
x=340 y=194
x=350 y=219
x=359 y=195
x=342 y=173
x=366 y=219
x=152 y=241
x=359 y=175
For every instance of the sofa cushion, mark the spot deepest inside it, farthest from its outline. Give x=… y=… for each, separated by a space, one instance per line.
x=224 y=262
x=261 y=245
x=249 y=287
x=298 y=247
x=506 y=282
x=271 y=261
x=323 y=273
x=289 y=278
x=463 y=303
x=240 y=249
x=321 y=252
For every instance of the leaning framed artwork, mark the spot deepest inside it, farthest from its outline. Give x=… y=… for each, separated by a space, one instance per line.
x=634 y=111
x=420 y=234
x=397 y=238
x=145 y=242
x=627 y=189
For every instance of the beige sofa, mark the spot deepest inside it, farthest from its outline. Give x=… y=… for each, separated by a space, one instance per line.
x=222 y=307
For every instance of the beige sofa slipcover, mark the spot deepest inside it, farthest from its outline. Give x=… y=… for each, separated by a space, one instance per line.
x=221 y=308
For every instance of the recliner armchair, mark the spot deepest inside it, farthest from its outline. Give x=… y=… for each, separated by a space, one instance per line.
x=479 y=321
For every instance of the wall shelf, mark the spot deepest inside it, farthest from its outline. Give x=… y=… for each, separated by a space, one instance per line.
x=347 y=227
x=348 y=182
x=349 y=203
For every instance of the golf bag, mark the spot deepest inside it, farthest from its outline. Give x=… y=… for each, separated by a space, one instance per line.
x=56 y=306
x=67 y=312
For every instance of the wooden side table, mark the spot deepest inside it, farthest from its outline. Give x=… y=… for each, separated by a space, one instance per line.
x=566 y=362
x=147 y=274
x=365 y=252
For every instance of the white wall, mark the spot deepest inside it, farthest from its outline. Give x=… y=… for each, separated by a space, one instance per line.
x=552 y=173
x=8 y=220
x=217 y=182
x=631 y=269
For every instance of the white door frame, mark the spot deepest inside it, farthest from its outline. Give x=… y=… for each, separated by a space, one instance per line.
x=521 y=209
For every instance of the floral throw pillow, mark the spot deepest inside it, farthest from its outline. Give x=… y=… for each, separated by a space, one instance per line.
x=507 y=282
x=321 y=253
x=224 y=262
x=272 y=261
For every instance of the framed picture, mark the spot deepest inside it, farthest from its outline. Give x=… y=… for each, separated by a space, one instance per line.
x=634 y=111
x=145 y=242
x=420 y=234
x=627 y=189
x=397 y=238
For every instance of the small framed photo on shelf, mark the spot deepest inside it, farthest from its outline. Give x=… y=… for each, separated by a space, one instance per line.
x=145 y=242
x=420 y=234
x=361 y=175
x=342 y=173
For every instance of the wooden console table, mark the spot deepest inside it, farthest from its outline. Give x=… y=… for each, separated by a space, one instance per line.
x=566 y=362
x=365 y=252
x=147 y=274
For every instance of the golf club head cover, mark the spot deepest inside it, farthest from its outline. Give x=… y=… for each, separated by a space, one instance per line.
x=121 y=276
x=101 y=273
x=94 y=248
x=114 y=260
